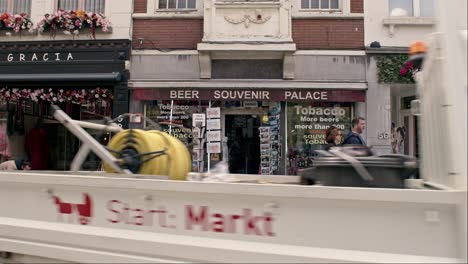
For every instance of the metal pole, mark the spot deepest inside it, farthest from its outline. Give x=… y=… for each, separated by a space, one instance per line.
x=110 y=128
x=87 y=140
x=170 y=118
x=286 y=131
x=207 y=150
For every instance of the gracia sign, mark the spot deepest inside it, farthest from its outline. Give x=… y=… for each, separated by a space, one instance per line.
x=46 y=56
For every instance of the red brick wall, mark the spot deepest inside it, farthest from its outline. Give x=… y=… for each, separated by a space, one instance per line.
x=328 y=33
x=357 y=6
x=139 y=6
x=167 y=33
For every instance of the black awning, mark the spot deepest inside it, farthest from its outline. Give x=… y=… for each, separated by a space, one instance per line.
x=62 y=77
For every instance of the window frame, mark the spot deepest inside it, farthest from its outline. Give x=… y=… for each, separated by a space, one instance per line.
x=416 y=9
x=11 y=8
x=157 y=9
x=81 y=4
x=334 y=10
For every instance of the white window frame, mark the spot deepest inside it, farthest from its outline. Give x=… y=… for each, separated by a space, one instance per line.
x=152 y=11
x=11 y=7
x=176 y=9
x=81 y=5
x=339 y=9
x=416 y=8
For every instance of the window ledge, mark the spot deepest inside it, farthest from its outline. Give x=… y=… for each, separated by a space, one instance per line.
x=177 y=11
x=11 y=33
x=410 y=21
x=167 y=14
x=82 y=31
x=391 y=22
x=312 y=14
x=324 y=11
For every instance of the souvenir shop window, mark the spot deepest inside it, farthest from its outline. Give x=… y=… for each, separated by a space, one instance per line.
x=306 y=127
x=270 y=140
x=179 y=124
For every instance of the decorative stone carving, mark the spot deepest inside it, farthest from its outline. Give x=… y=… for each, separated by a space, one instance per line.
x=258 y=18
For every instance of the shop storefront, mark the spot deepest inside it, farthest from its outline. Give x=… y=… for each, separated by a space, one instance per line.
x=87 y=79
x=261 y=131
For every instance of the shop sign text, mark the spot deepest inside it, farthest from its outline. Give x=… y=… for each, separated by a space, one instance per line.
x=53 y=56
x=242 y=95
x=251 y=94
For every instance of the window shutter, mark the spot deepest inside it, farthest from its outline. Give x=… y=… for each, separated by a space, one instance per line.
x=22 y=6
x=96 y=6
x=3 y=6
x=68 y=5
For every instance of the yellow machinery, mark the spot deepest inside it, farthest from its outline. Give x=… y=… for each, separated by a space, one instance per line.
x=150 y=152
x=131 y=151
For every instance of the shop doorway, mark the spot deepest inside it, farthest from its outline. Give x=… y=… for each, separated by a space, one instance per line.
x=243 y=143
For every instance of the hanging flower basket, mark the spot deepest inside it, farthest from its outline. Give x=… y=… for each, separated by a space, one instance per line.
x=72 y=22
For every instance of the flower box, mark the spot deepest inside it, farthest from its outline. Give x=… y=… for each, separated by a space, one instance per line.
x=73 y=22
x=15 y=24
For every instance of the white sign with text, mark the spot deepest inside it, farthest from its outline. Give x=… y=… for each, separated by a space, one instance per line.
x=212 y=136
x=213 y=147
x=213 y=124
x=213 y=112
x=198 y=120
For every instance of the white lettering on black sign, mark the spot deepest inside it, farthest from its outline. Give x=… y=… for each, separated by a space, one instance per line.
x=42 y=57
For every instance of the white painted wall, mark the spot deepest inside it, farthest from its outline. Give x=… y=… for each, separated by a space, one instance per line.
x=118 y=12
x=406 y=29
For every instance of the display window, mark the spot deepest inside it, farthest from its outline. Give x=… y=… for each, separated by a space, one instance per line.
x=306 y=127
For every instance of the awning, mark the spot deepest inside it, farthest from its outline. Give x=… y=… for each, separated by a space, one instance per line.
x=62 y=77
x=250 y=91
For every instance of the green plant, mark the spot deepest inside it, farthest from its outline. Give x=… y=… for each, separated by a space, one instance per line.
x=389 y=66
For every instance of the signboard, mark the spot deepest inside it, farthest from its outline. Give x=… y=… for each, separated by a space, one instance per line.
x=293 y=95
x=198 y=120
x=212 y=136
x=213 y=124
x=136 y=118
x=213 y=147
x=250 y=104
x=213 y=112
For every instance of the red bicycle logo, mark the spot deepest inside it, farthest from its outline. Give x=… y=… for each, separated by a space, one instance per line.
x=84 y=210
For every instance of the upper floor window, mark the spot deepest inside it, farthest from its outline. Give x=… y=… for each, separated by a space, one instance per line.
x=320 y=4
x=15 y=6
x=176 y=4
x=96 y=6
x=412 y=7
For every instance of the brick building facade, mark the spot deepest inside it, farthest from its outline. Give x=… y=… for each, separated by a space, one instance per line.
x=267 y=65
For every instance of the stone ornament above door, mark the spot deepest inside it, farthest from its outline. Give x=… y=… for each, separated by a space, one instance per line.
x=258 y=18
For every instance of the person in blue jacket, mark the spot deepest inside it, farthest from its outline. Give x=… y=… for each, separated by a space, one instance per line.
x=354 y=138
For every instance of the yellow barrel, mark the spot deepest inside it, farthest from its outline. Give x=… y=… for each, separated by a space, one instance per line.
x=175 y=163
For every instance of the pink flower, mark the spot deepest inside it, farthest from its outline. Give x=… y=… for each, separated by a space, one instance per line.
x=408 y=65
x=403 y=71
